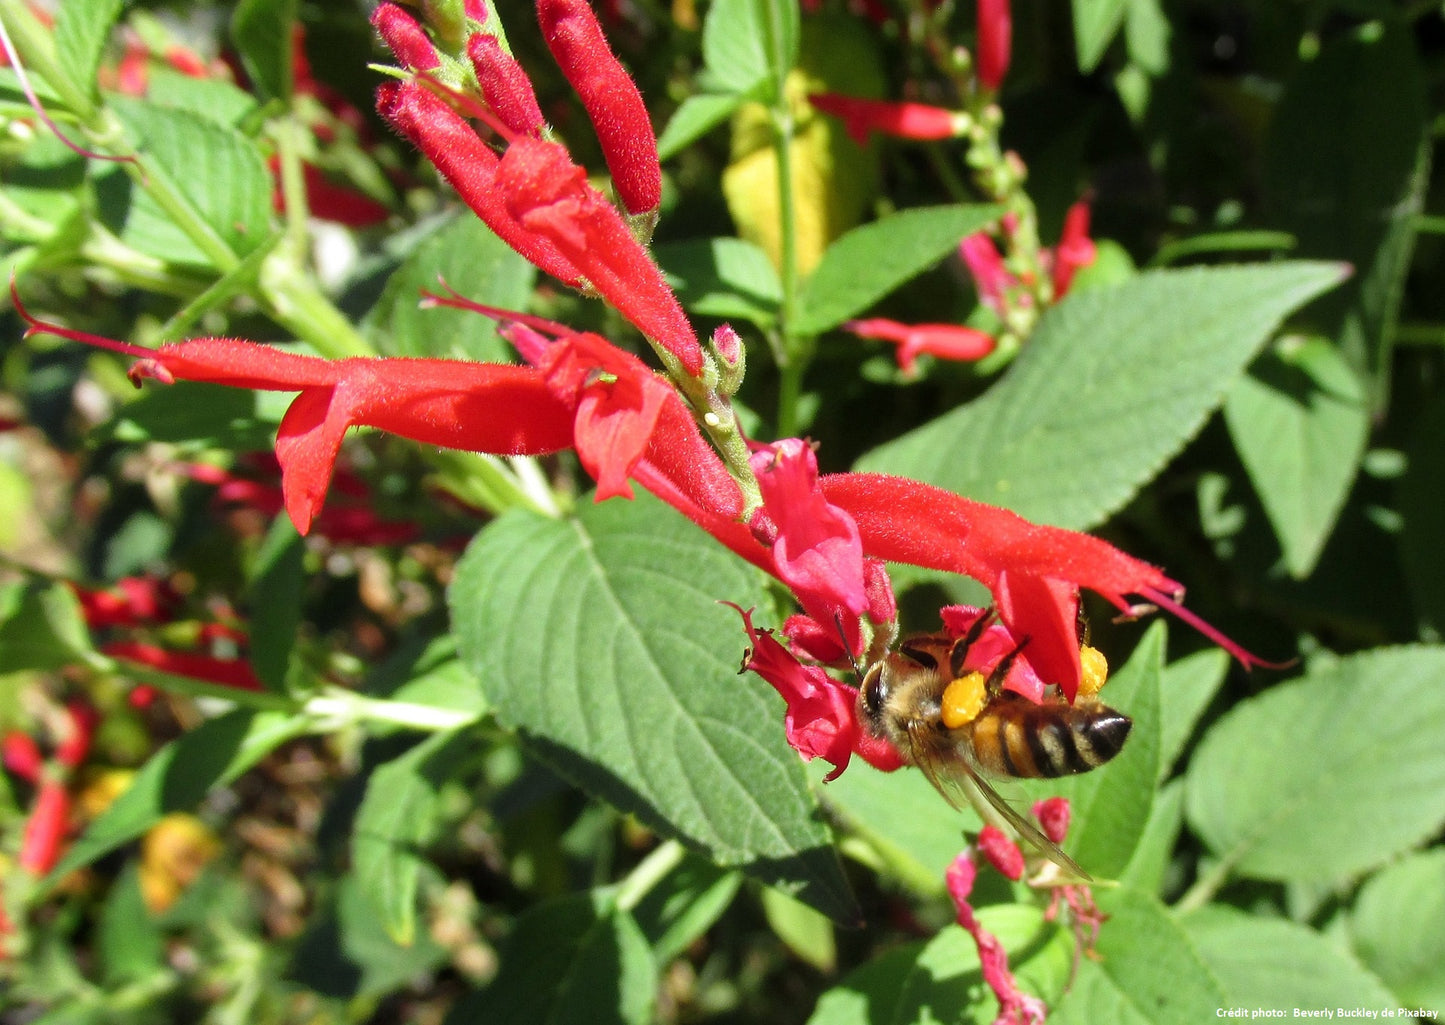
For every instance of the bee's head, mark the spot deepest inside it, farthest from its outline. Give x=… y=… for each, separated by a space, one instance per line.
x=872 y=696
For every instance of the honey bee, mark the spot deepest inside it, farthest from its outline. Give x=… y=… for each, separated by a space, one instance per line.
x=958 y=726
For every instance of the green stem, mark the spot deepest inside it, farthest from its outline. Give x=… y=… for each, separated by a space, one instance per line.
x=648 y=873
x=345 y=706
x=1205 y=887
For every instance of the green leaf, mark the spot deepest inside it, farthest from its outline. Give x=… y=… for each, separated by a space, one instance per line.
x=1096 y=22
x=41 y=627
x=396 y=816
x=723 y=277
x=1329 y=774
x=1278 y=965
x=901 y=818
x=127 y=941
x=471 y=260
x=871 y=261
x=805 y=932
x=1346 y=169
x=577 y=959
x=1148 y=971
x=1110 y=386
x=1146 y=33
x=277 y=584
x=940 y=981
x=213 y=98
x=1186 y=689
x=684 y=905
x=1300 y=420
x=81 y=29
x=428 y=672
x=697 y=116
x=215 y=169
x=1149 y=865
x=1397 y=927
x=261 y=30
x=601 y=641
x=747 y=44
x=178 y=776
x=1110 y=805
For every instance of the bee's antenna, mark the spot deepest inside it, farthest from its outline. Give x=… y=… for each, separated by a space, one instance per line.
x=843 y=636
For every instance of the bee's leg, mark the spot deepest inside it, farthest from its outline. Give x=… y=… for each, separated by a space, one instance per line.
x=1000 y=671
x=959 y=652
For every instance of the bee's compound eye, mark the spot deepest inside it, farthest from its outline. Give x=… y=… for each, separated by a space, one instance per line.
x=872 y=694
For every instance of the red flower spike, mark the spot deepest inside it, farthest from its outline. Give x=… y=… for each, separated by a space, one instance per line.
x=1014 y=1007
x=817 y=550
x=469 y=165
x=611 y=98
x=995 y=42
x=506 y=87
x=903 y=120
x=22 y=756
x=405 y=37
x=946 y=341
x=549 y=196
x=45 y=829
x=1053 y=814
x=907 y=521
x=821 y=720
x=1075 y=248
x=1002 y=853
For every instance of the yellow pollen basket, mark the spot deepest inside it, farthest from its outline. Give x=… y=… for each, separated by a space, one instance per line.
x=1094 y=671
x=963 y=699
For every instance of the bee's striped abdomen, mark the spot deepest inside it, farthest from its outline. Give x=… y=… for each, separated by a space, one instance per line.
x=1015 y=737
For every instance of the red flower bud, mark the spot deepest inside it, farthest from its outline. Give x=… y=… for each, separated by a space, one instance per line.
x=610 y=97
x=995 y=42
x=506 y=87
x=405 y=37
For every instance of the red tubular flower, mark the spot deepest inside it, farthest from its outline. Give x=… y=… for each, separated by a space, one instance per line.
x=945 y=341
x=45 y=829
x=1075 y=248
x=22 y=756
x=476 y=407
x=225 y=672
x=995 y=42
x=131 y=601
x=405 y=37
x=469 y=165
x=821 y=720
x=549 y=196
x=1034 y=571
x=611 y=98
x=904 y=120
x=985 y=265
x=326 y=200
x=83 y=719
x=815 y=546
x=1014 y=1007
x=506 y=87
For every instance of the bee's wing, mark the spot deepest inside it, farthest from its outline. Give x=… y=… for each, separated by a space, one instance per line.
x=963 y=786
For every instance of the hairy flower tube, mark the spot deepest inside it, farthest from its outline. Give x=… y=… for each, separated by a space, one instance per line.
x=945 y=341
x=903 y=120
